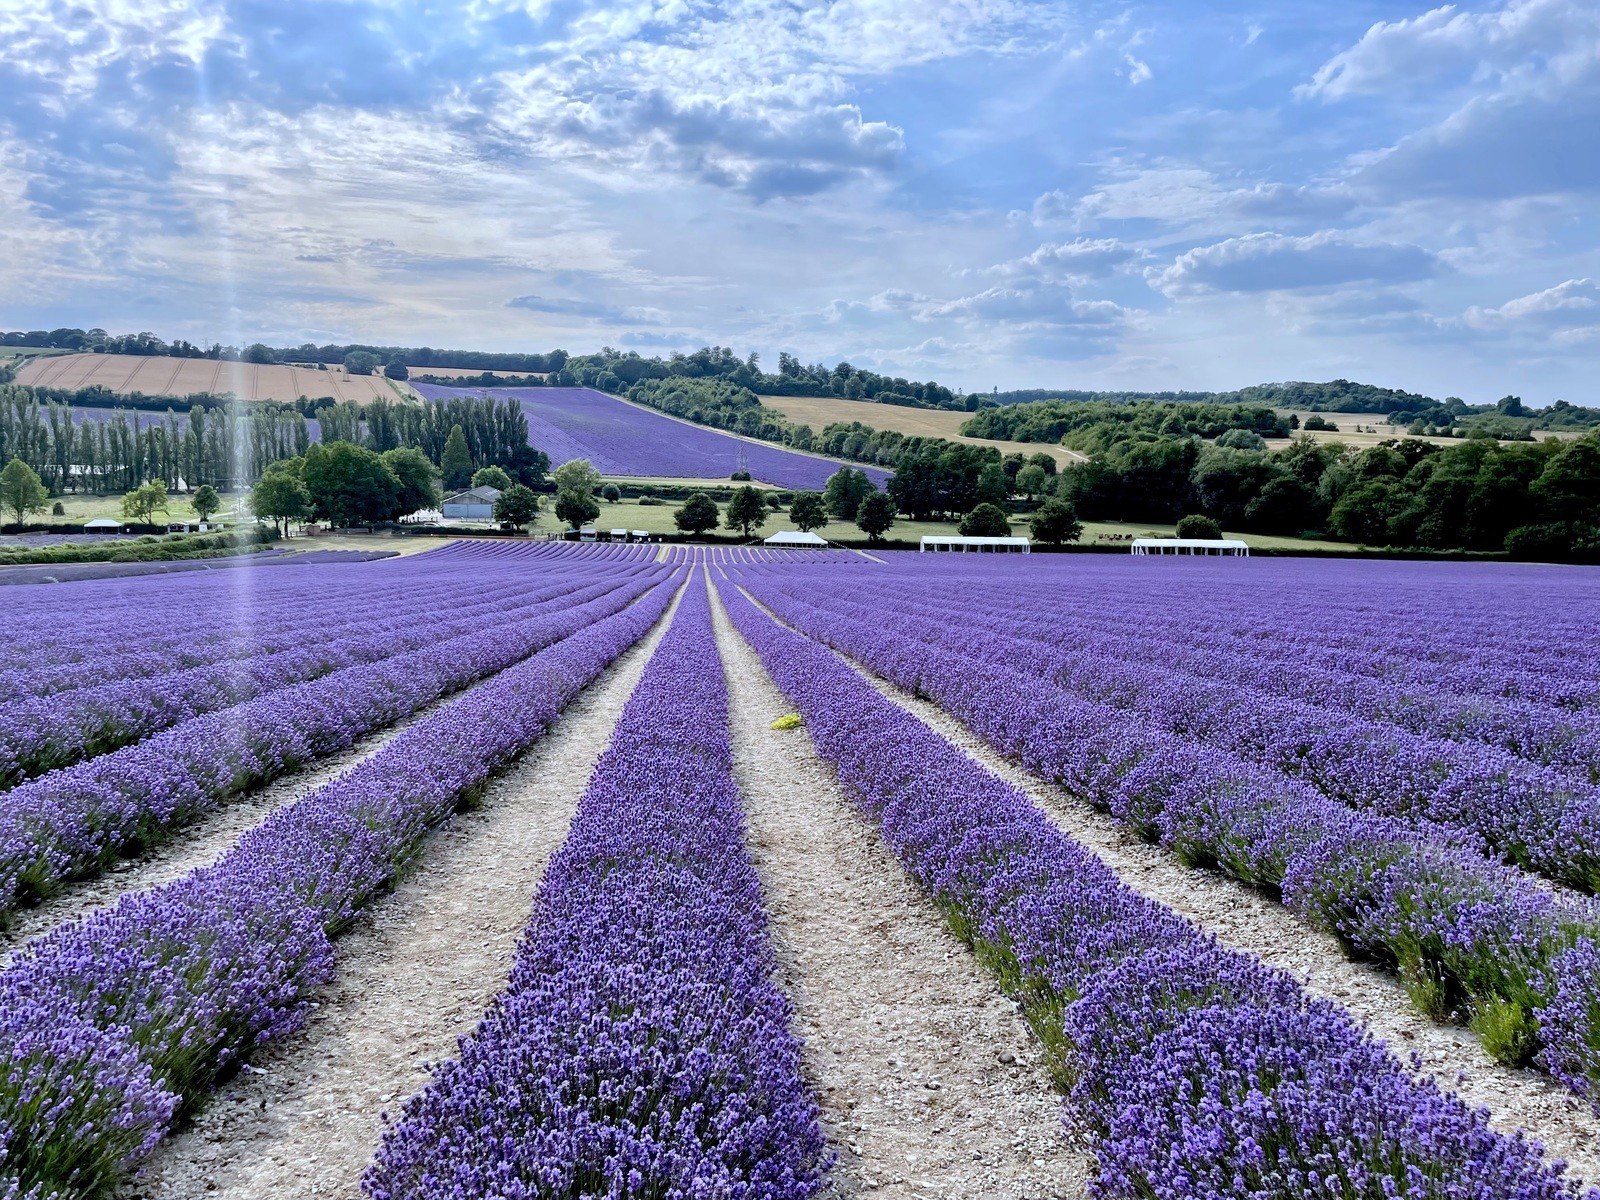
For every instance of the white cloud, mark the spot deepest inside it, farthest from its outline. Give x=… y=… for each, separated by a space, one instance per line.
x=1077 y=261
x=1572 y=304
x=1265 y=262
x=1448 y=41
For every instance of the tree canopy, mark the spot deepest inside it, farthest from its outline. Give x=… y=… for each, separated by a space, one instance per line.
x=21 y=490
x=697 y=515
x=808 y=511
x=747 y=510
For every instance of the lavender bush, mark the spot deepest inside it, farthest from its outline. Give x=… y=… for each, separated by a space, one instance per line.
x=640 y=1047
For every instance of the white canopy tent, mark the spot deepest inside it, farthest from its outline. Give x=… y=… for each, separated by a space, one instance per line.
x=1227 y=547
x=964 y=544
x=796 y=539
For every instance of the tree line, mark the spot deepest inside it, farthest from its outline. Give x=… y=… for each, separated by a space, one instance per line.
x=231 y=445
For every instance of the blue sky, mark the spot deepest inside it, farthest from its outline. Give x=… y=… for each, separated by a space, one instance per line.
x=987 y=192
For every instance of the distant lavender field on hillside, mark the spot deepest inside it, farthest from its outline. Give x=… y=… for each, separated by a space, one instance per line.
x=621 y=439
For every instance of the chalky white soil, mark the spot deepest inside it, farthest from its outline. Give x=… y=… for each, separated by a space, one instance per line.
x=929 y=1081
x=415 y=973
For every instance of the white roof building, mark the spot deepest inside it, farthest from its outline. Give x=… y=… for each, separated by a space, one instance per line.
x=796 y=539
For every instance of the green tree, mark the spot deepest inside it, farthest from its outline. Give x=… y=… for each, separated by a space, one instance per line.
x=1363 y=512
x=845 y=490
x=747 y=511
x=21 y=490
x=456 y=461
x=1031 y=481
x=517 y=506
x=1055 y=522
x=697 y=514
x=875 y=517
x=577 y=475
x=205 y=501
x=255 y=352
x=1569 y=486
x=349 y=484
x=280 y=497
x=144 y=501
x=611 y=493
x=361 y=362
x=577 y=509
x=808 y=510
x=416 y=475
x=986 y=520
x=492 y=476
x=395 y=369
x=992 y=485
x=1197 y=525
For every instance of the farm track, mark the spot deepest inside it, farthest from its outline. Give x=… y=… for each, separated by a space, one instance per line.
x=415 y=973
x=904 y=1031
x=205 y=840
x=1240 y=917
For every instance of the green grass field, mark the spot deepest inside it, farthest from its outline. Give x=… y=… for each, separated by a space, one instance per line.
x=85 y=508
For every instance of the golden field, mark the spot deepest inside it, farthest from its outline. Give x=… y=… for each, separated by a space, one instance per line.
x=159 y=376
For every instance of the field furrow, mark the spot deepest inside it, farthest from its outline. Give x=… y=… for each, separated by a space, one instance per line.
x=1245 y=919
x=916 y=1056
x=414 y=974
x=1472 y=941
x=191 y=977
x=640 y=1045
x=1184 y=1060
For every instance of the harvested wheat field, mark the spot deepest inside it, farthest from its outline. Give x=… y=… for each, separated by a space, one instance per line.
x=817 y=411
x=162 y=376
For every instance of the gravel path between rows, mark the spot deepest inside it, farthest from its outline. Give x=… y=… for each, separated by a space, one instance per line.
x=416 y=972
x=1243 y=918
x=929 y=1080
x=201 y=842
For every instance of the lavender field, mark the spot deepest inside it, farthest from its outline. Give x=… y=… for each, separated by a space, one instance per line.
x=559 y=870
x=626 y=440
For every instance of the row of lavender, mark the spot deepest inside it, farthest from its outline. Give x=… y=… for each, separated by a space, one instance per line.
x=1461 y=629
x=1537 y=817
x=178 y=625
x=1469 y=937
x=111 y=1025
x=1197 y=1071
x=72 y=822
x=39 y=733
x=640 y=1047
x=1248 y=651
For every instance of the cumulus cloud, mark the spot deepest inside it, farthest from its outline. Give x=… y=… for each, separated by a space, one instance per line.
x=1447 y=41
x=1572 y=304
x=1265 y=262
x=1077 y=261
x=1527 y=78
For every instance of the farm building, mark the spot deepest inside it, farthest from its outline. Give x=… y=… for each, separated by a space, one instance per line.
x=474 y=504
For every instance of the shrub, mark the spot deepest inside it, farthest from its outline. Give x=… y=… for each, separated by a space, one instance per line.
x=987 y=520
x=611 y=493
x=1197 y=526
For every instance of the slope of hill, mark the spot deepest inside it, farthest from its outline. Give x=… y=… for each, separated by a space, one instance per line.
x=629 y=440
